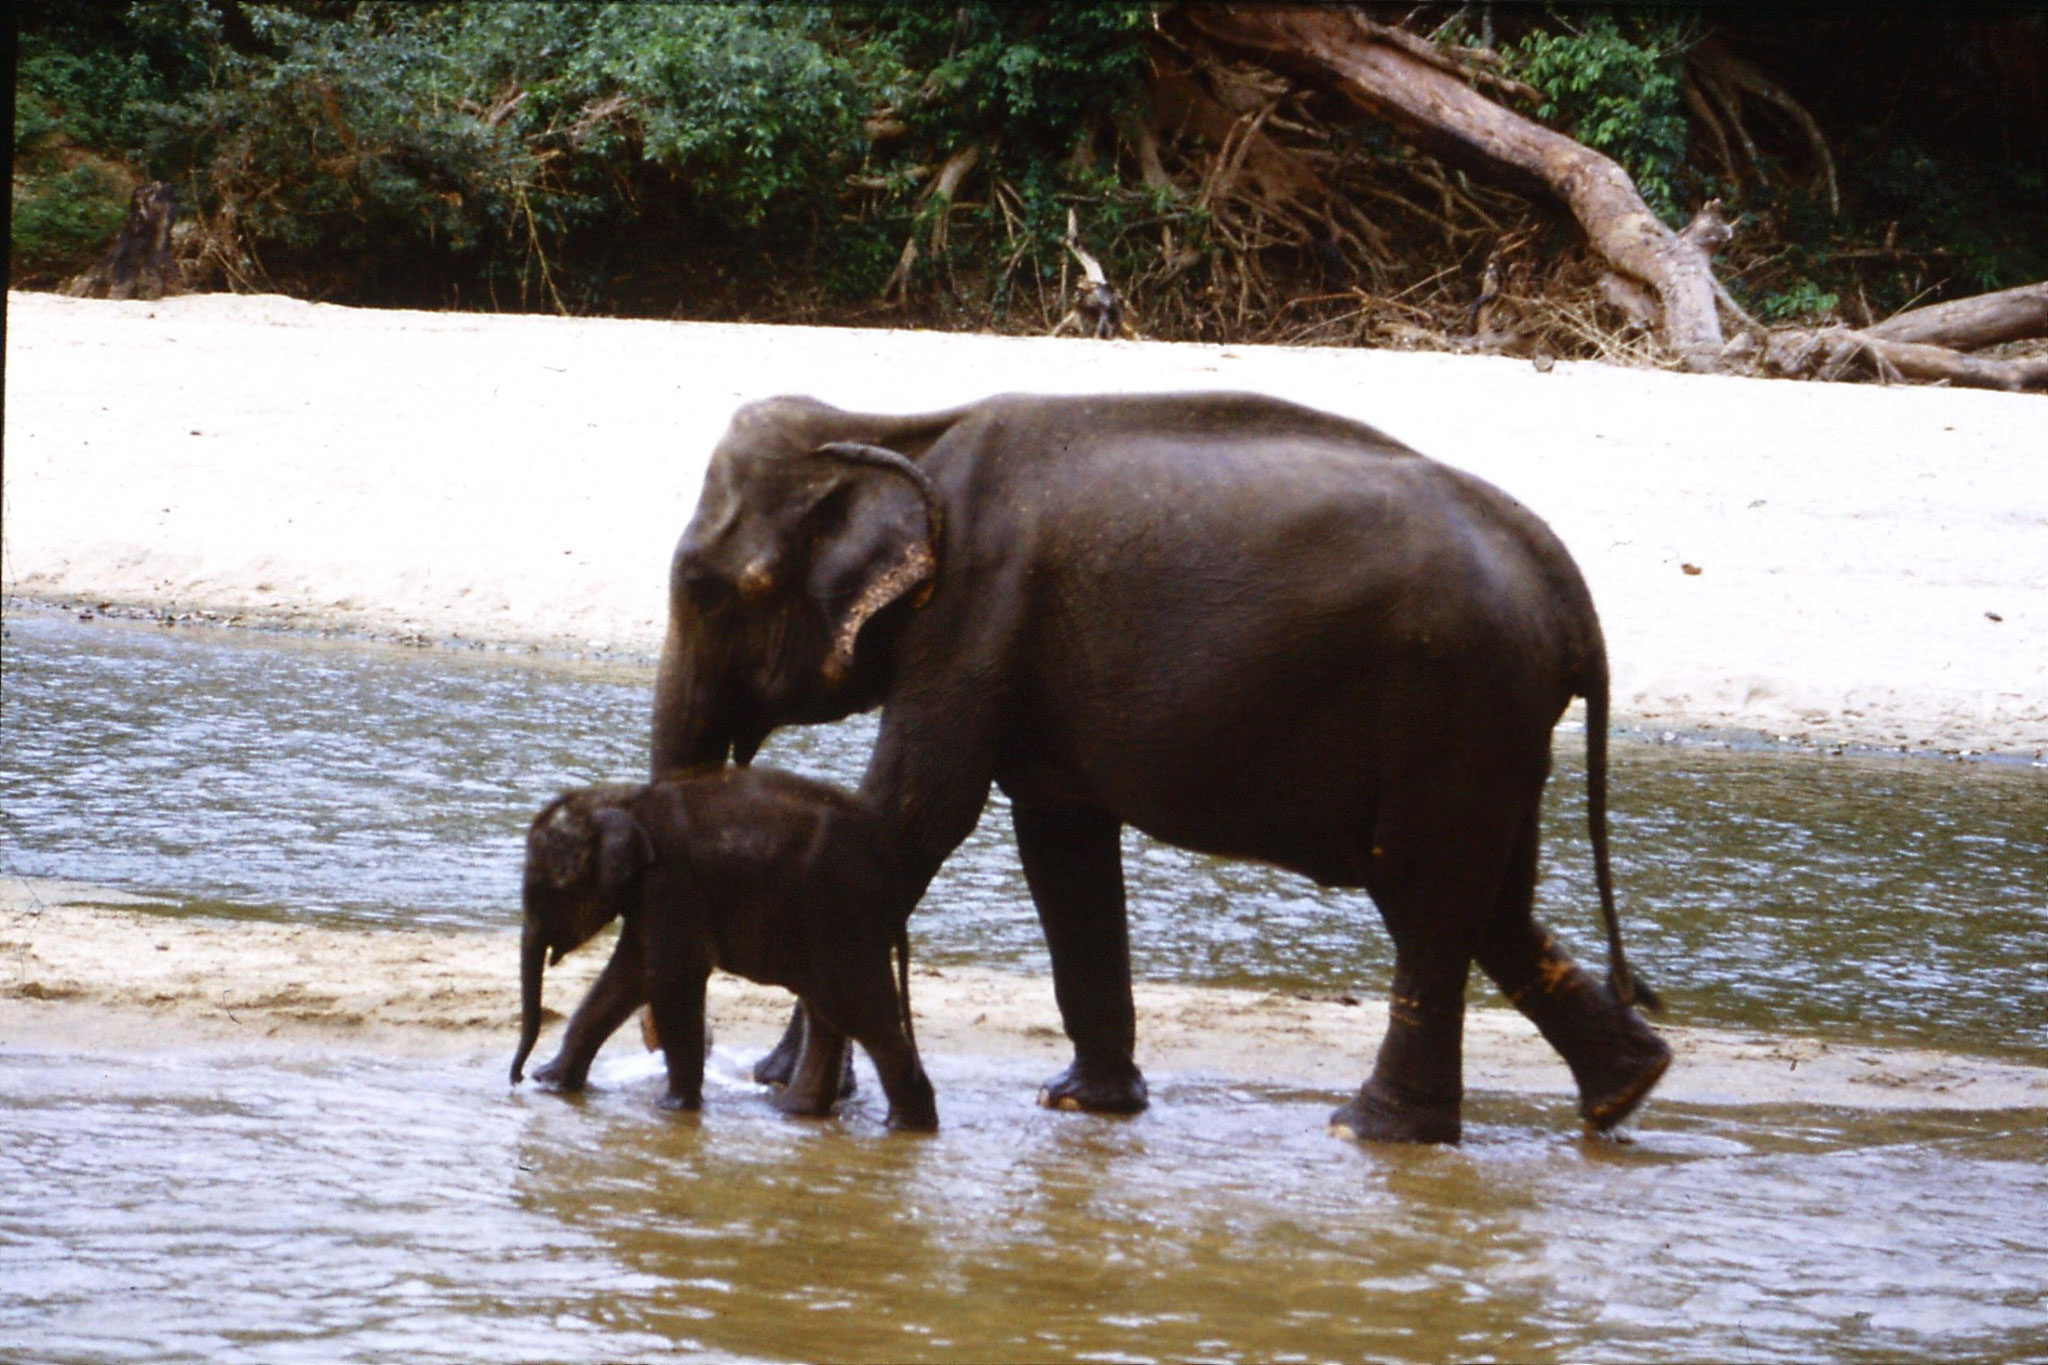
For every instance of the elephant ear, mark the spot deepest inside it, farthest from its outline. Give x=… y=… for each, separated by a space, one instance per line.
x=622 y=849
x=887 y=545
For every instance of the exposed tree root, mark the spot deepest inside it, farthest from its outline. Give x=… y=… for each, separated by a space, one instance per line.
x=1380 y=74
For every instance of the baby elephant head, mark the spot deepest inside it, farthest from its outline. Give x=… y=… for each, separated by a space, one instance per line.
x=584 y=855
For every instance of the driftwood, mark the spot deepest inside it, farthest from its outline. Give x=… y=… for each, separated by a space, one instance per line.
x=1833 y=352
x=1925 y=344
x=138 y=264
x=1973 y=323
x=1097 y=308
x=1381 y=74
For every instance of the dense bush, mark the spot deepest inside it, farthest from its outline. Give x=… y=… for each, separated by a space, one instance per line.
x=88 y=79
x=772 y=160
x=1618 y=92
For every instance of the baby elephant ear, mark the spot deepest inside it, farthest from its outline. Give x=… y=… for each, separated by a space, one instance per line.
x=622 y=848
x=559 y=845
x=887 y=545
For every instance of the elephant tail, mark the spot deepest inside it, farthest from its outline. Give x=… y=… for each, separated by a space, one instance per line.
x=1628 y=988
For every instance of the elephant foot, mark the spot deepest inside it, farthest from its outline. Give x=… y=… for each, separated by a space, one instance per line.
x=798 y=1104
x=920 y=1118
x=560 y=1077
x=1377 y=1114
x=1615 y=1085
x=1096 y=1088
x=679 y=1104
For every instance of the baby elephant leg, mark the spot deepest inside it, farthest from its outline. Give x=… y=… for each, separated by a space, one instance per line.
x=678 y=1010
x=813 y=1087
x=873 y=1015
x=911 y=1102
x=619 y=989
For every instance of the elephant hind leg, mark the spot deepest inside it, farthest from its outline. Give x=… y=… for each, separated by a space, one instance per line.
x=1614 y=1056
x=1438 y=863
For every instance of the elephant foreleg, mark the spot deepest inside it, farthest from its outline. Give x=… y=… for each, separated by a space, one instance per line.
x=678 y=1009
x=619 y=989
x=1073 y=863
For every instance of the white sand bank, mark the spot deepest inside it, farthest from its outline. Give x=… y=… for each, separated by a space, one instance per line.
x=1872 y=563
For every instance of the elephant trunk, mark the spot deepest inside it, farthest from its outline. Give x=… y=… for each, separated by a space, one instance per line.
x=533 y=954
x=690 y=730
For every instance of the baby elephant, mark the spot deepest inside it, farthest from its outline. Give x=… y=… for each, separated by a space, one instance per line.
x=763 y=874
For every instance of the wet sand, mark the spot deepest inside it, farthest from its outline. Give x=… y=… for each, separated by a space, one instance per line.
x=92 y=969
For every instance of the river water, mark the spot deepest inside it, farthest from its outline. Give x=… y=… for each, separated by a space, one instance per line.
x=190 y=1206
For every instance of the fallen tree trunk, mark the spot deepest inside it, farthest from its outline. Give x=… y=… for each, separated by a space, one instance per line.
x=1968 y=324
x=1833 y=351
x=1382 y=76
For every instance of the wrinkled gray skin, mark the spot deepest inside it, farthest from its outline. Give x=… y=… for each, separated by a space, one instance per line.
x=1242 y=626
x=763 y=874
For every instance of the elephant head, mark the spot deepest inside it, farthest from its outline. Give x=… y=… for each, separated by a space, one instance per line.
x=812 y=525
x=584 y=854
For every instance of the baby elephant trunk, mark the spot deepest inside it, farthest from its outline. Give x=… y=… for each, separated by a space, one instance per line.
x=533 y=956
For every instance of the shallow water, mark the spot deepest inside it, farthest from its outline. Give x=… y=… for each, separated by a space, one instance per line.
x=417 y=1211
x=1857 y=898
x=189 y=1206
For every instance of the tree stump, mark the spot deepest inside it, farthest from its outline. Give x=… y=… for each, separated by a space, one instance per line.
x=138 y=264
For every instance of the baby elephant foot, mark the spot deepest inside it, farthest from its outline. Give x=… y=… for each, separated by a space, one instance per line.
x=560 y=1076
x=915 y=1118
x=779 y=1065
x=1377 y=1114
x=912 y=1105
x=673 y=1103
x=798 y=1104
x=1097 y=1088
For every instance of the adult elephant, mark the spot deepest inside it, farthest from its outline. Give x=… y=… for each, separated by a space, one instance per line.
x=1242 y=626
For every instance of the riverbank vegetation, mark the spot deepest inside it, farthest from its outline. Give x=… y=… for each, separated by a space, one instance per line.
x=1765 y=191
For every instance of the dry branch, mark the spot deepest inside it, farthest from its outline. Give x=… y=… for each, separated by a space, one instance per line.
x=1427 y=104
x=1832 y=352
x=943 y=188
x=1972 y=323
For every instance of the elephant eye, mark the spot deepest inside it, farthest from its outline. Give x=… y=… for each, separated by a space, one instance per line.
x=706 y=589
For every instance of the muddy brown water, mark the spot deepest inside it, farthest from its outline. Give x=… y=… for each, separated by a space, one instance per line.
x=193 y=1206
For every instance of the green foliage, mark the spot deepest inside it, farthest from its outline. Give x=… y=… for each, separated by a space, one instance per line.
x=62 y=220
x=86 y=80
x=1030 y=76
x=1619 y=93
x=1984 y=216
x=1801 y=301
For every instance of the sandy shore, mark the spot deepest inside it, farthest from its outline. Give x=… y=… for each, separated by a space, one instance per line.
x=85 y=968
x=1837 y=564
